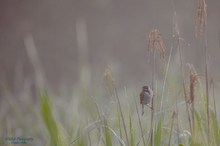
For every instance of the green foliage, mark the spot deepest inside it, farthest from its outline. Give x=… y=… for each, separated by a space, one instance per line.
x=101 y=131
x=81 y=140
x=49 y=121
x=158 y=133
x=119 y=122
x=131 y=132
x=215 y=128
x=108 y=138
x=200 y=134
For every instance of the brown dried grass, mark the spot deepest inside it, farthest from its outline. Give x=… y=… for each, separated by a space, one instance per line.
x=108 y=79
x=193 y=79
x=201 y=17
x=155 y=41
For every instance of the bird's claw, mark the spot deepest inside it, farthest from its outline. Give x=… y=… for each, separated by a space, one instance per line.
x=150 y=107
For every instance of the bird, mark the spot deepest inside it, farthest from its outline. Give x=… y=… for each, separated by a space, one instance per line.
x=146 y=96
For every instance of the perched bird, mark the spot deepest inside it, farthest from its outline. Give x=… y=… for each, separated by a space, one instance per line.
x=145 y=97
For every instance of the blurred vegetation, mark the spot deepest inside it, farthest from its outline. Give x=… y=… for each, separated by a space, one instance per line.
x=184 y=103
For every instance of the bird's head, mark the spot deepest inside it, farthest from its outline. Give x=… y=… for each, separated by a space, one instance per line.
x=145 y=88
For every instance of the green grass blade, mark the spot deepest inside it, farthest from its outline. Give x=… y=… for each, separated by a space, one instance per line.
x=108 y=137
x=81 y=141
x=49 y=121
x=131 y=132
x=158 y=133
x=119 y=124
x=200 y=133
x=215 y=128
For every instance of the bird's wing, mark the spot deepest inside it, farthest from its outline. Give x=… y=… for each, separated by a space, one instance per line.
x=141 y=97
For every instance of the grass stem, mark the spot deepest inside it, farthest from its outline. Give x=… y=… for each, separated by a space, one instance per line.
x=122 y=116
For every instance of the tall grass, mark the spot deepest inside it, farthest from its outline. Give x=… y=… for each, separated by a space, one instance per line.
x=155 y=43
x=50 y=122
x=106 y=120
x=201 y=29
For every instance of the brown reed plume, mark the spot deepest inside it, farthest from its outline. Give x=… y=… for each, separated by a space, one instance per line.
x=201 y=17
x=155 y=43
x=193 y=80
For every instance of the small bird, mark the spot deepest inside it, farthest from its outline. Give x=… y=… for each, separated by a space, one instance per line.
x=146 y=96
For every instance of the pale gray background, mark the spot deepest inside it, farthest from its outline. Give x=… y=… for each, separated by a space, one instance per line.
x=116 y=31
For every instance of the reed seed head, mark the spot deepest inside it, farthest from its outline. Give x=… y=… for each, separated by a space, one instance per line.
x=108 y=79
x=155 y=42
x=201 y=17
x=193 y=77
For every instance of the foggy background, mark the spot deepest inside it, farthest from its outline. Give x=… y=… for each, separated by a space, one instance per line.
x=114 y=32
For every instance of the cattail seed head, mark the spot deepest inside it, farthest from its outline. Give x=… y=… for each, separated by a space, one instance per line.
x=155 y=41
x=201 y=17
x=193 y=77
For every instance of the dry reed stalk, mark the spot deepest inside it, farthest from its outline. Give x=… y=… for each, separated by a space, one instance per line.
x=176 y=35
x=212 y=84
x=88 y=134
x=207 y=87
x=177 y=120
x=109 y=81
x=165 y=78
x=152 y=104
x=139 y=120
x=201 y=24
x=110 y=84
x=171 y=129
x=155 y=43
x=193 y=77
x=122 y=116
